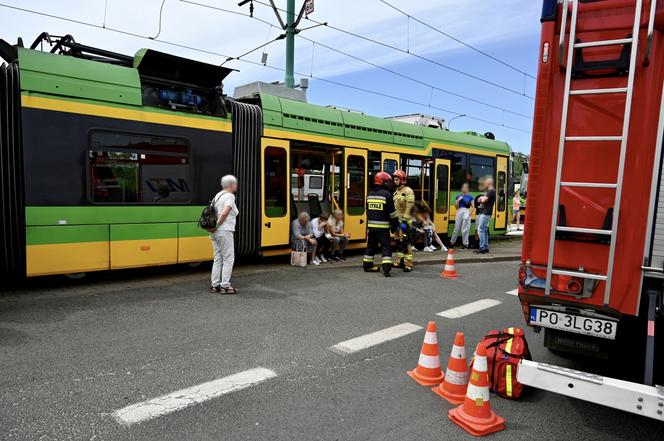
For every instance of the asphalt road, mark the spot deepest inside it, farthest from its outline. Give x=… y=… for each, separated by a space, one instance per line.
x=73 y=353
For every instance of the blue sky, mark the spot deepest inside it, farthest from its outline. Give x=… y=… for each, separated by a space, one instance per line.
x=507 y=29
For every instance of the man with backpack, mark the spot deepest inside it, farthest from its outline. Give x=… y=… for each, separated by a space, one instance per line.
x=219 y=219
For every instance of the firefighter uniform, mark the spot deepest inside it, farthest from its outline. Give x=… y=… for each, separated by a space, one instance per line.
x=404 y=200
x=381 y=218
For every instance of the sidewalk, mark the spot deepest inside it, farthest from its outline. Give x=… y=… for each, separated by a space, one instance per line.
x=505 y=249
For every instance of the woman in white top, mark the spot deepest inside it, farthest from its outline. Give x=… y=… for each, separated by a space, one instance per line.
x=222 y=237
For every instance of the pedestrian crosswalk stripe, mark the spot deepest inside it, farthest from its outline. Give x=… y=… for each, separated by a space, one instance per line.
x=156 y=407
x=375 y=338
x=469 y=308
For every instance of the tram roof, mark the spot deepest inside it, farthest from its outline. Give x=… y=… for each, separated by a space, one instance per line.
x=55 y=74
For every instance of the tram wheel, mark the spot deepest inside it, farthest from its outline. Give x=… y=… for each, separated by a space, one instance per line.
x=75 y=276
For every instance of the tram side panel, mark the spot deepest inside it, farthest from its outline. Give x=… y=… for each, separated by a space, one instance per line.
x=106 y=193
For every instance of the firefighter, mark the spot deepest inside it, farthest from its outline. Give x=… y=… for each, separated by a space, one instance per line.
x=404 y=200
x=381 y=218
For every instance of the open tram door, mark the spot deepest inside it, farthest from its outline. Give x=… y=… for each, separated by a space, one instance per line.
x=276 y=194
x=441 y=216
x=355 y=192
x=501 y=193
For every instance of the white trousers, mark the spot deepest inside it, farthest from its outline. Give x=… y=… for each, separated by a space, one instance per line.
x=224 y=258
x=462 y=225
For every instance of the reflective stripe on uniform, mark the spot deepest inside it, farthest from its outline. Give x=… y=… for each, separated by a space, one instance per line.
x=387 y=260
x=376 y=198
x=410 y=198
x=373 y=224
x=367 y=258
x=429 y=361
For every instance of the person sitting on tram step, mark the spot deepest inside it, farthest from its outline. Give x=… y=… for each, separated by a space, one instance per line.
x=302 y=233
x=222 y=237
x=321 y=230
x=340 y=237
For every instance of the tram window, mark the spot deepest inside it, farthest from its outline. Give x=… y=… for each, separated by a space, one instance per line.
x=275 y=182
x=480 y=167
x=442 y=196
x=502 y=186
x=390 y=165
x=138 y=169
x=356 y=185
x=459 y=169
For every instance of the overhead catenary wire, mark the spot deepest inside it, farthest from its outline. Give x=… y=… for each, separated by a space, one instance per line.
x=415 y=80
x=218 y=54
x=407 y=77
x=458 y=40
x=408 y=52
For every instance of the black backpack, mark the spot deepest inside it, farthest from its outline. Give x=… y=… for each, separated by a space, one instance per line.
x=208 y=219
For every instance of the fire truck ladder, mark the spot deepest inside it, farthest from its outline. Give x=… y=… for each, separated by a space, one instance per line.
x=564 y=139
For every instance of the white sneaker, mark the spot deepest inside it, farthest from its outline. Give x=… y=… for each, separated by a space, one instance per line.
x=315 y=261
x=322 y=259
x=430 y=249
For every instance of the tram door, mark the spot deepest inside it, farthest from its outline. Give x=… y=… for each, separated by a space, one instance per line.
x=355 y=188
x=441 y=215
x=501 y=193
x=389 y=162
x=275 y=203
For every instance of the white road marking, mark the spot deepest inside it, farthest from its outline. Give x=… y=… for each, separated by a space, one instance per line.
x=514 y=292
x=375 y=338
x=156 y=407
x=469 y=308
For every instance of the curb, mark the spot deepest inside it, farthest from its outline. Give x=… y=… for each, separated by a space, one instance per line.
x=513 y=258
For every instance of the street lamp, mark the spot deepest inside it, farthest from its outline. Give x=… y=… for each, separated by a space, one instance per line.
x=456 y=117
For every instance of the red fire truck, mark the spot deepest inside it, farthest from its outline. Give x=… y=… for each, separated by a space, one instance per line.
x=592 y=267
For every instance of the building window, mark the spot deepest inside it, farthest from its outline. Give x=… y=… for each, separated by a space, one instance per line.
x=356 y=185
x=480 y=168
x=138 y=169
x=275 y=182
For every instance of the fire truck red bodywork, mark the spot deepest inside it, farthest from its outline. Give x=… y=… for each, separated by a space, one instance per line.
x=594 y=115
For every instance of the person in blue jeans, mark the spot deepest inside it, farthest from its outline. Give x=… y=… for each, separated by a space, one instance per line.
x=484 y=213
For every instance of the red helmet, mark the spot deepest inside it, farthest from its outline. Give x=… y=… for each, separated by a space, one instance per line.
x=381 y=178
x=401 y=175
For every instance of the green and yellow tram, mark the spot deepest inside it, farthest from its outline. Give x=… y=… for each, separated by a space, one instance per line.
x=107 y=161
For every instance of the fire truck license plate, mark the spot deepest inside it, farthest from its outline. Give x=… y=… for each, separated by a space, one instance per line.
x=573 y=323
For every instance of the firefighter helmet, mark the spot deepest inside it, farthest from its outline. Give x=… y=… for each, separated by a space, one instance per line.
x=381 y=178
x=401 y=175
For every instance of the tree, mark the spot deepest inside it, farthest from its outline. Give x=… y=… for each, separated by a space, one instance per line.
x=517 y=165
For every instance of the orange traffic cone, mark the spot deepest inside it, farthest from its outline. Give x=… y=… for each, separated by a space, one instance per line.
x=450 y=269
x=453 y=389
x=475 y=415
x=427 y=372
